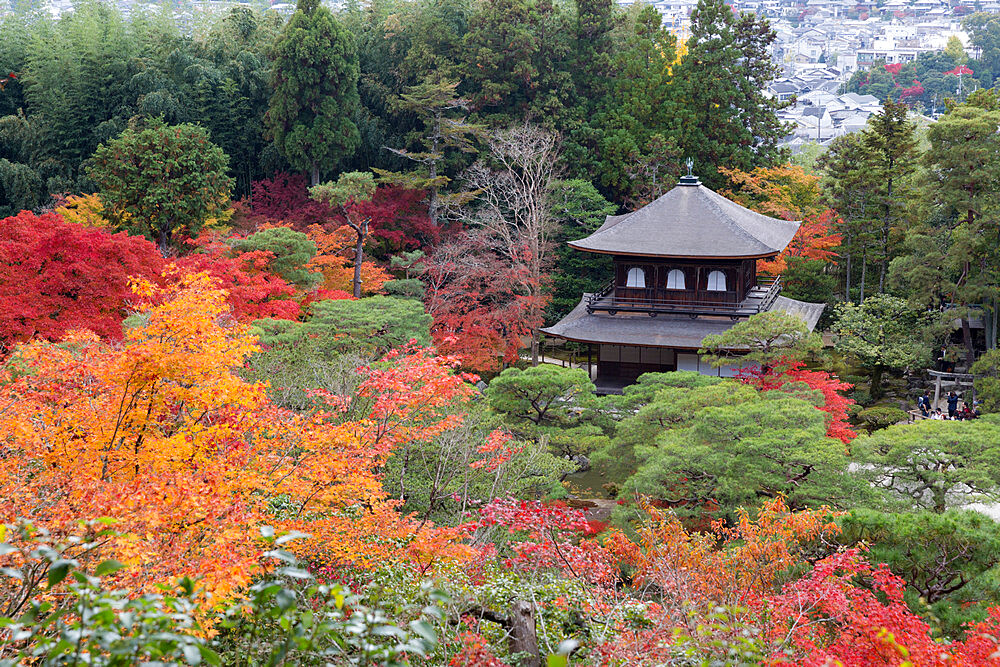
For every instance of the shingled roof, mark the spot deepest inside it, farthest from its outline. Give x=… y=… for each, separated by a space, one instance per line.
x=676 y=331
x=691 y=221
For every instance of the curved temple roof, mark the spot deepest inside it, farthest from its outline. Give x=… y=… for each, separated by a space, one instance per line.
x=675 y=331
x=691 y=221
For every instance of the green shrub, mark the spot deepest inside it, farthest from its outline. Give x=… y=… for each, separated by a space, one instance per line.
x=881 y=416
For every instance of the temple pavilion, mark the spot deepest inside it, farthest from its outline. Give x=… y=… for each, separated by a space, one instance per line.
x=685 y=266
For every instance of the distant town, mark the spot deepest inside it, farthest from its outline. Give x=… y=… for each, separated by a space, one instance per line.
x=820 y=45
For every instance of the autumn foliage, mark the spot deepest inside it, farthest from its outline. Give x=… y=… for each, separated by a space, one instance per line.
x=334 y=259
x=790 y=376
x=399 y=219
x=159 y=434
x=788 y=193
x=480 y=312
x=773 y=588
x=253 y=292
x=58 y=276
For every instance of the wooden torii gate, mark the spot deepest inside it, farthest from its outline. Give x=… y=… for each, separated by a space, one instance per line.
x=957 y=378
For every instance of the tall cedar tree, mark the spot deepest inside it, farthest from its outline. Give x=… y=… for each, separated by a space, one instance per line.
x=728 y=121
x=594 y=67
x=635 y=150
x=161 y=180
x=851 y=189
x=315 y=81
x=890 y=139
x=516 y=61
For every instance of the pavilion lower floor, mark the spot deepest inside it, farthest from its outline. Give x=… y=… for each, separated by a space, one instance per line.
x=614 y=367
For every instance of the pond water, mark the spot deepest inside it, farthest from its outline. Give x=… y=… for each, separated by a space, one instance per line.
x=587 y=484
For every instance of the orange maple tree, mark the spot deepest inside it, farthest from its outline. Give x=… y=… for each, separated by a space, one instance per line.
x=789 y=193
x=161 y=435
x=337 y=268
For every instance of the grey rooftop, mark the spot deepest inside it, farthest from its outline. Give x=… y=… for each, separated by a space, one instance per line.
x=691 y=221
x=676 y=331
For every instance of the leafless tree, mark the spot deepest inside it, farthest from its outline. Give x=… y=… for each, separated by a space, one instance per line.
x=514 y=207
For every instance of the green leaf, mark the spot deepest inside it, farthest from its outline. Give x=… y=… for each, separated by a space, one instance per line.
x=58 y=571
x=209 y=656
x=294 y=573
x=557 y=661
x=424 y=629
x=192 y=654
x=388 y=631
x=109 y=566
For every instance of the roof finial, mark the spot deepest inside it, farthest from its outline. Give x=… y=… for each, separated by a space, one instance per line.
x=690 y=178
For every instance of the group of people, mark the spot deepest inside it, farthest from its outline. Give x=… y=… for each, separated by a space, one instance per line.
x=954 y=412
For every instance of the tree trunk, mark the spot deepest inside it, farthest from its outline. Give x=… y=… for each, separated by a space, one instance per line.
x=970 y=351
x=314 y=175
x=886 y=228
x=876 y=388
x=523 y=639
x=885 y=257
x=359 y=256
x=991 y=342
x=847 y=294
x=864 y=270
x=940 y=500
x=432 y=202
x=534 y=347
x=164 y=242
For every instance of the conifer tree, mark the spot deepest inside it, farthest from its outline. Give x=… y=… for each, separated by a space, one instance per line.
x=890 y=141
x=728 y=121
x=438 y=107
x=315 y=82
x=516 y=61
x=964 y=164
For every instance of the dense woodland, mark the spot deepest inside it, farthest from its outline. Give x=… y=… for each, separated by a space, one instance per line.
x=269 y=295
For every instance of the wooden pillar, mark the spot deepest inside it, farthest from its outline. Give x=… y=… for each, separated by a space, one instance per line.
x=937 y=390
x=590 y=373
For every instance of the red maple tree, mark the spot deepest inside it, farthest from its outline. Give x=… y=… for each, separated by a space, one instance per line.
x=814 y=239
x=253 y=292
x=398 y=218
x=786 y=374
x=480 y=313
x=58 y=276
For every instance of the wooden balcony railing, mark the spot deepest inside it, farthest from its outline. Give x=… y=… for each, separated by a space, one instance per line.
x=693 y=302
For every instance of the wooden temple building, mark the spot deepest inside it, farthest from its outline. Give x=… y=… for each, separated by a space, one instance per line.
x=685 y=266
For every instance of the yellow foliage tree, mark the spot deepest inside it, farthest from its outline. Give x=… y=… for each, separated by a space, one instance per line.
x=85 y=210
x=188 y=460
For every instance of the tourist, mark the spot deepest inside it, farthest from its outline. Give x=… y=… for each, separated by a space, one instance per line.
x=924 y=403
x=966 y=412
x=937 y=414
x=952 y=404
